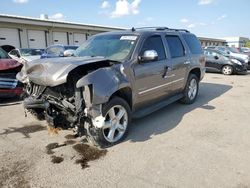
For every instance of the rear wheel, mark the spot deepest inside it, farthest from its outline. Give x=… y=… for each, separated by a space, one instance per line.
x=227 y=70
x=191 y=89
x=117 y=116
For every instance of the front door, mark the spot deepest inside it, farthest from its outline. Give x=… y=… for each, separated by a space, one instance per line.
x=150 y=77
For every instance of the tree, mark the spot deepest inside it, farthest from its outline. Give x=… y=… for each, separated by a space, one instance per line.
x=248 y=44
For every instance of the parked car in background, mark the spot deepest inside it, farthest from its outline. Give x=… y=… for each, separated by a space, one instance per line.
x=58 y=51
x=26 y=54
x=231 y=51
x=244 y=50
x=9 y=85
x=216 y=61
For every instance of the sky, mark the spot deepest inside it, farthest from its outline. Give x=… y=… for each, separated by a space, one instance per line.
x=205 y=18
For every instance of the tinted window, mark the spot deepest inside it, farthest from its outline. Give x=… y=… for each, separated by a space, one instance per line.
x=175 y=46
x=3 y=54
x=193 y=44
x=154 y=43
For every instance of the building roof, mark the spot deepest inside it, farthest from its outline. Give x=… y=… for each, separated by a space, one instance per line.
x=212 y=39
x=53 y=23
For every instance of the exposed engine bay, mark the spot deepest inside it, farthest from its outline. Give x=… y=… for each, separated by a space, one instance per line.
x=75 y=103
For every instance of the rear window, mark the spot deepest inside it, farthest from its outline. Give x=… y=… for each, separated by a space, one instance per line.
x=193 y=44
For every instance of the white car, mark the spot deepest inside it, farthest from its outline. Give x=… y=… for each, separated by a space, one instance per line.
x=25 y=54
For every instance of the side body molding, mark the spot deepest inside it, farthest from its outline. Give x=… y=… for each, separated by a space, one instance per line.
x=104 y=82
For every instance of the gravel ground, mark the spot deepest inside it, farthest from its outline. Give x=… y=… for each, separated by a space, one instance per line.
x=206 y=144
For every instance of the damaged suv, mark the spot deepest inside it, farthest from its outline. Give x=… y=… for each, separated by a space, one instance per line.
x=114 y=77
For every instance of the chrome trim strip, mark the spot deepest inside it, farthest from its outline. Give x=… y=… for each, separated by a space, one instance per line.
x=157 y=87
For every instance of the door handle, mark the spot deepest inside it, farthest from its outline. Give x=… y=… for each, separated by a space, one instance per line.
x=186 y=62
x=165 y=72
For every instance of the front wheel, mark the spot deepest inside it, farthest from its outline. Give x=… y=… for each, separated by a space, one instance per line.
x=227 y=70
x=191 y=90
x=117 y=116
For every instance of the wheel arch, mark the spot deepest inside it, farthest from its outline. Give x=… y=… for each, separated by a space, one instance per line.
x=197 y=72
x=124 y=93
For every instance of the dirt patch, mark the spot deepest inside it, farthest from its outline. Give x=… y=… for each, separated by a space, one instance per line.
x=70 y=136
x=88 y=153
x=25 y=130
x=50 y=147
x=55 y=159
x=13 y=175
x=70 y=142
x=53 y=131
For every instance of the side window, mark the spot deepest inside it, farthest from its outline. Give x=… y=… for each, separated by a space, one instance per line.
x=193 y=43
x=3 y=55
x=154 y=43
x=175 y=46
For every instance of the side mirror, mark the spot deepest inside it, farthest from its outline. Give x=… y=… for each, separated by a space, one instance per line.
x=216 y=57
x=149 y=55
x=68 y=53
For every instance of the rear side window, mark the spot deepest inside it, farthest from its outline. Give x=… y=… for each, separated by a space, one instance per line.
x=175 y=46
x=193 y=44
x=154 y=43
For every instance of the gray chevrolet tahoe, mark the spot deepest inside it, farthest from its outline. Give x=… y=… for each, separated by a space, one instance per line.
x=113 y=78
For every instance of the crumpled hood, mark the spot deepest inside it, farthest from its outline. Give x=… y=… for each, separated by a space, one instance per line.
x=53 y=71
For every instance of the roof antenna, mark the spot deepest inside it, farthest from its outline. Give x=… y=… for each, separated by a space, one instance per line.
x=133 y=29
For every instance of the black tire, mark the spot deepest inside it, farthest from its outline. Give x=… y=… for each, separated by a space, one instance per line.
x=38 y=114
x=227 y=70
x=187 y=99
x=95 y=136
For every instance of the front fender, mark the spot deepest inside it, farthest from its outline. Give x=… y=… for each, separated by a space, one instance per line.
x=104 y=81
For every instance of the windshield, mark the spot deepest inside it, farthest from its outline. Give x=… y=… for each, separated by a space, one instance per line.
x=115 y=47
x=234 y=50
x=30 y=52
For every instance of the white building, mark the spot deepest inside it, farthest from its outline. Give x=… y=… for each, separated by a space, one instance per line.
x=25 y=32
x=236 y=41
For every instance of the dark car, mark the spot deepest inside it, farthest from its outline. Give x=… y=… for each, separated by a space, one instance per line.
x=58 y=51
x=114 y=77
x=217 y=61
x=9 y=85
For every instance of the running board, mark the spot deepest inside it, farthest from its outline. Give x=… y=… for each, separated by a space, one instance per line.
x=157 y=106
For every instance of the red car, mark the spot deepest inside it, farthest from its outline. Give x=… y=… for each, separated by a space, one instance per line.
x=9 y=85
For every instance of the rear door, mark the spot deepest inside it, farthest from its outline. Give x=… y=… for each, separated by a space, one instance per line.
x=179 y=60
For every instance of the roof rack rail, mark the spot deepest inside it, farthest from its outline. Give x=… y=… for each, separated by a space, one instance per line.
x=160 y=29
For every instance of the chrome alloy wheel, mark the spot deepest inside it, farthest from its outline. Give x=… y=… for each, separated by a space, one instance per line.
x=116 y=123
x=192 y=89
